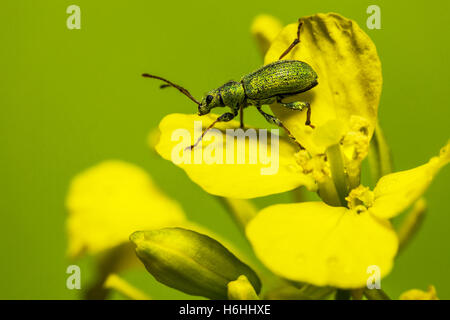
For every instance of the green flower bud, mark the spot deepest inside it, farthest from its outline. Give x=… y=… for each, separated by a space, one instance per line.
x=190 y=262
x=241 y=289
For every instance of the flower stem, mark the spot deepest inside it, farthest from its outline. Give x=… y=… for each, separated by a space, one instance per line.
x=338 y=174
x=120 y=285
x=343 y=294
x=380 y=158
x=411 y=223
x=241 y=210
x=357 y=294
x=327 y=192
x=110 y=262
x=376 y=294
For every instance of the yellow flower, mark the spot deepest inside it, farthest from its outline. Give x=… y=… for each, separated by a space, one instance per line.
x=330 y=244
x=228 y=178
x=109 y=201
x=349 y=73
x=415 y=294
x=344 y=108
x=265 y=29
x=335 y=242
x=324 y=245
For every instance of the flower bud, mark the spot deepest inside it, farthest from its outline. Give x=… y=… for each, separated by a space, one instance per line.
x=241 y=289
x=190 y=262
x=416 y=294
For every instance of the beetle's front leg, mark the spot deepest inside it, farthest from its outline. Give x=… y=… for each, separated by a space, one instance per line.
x=274 y=120
x=239 y=108
x=226 y=117
x=223 y=118
x=299 y=105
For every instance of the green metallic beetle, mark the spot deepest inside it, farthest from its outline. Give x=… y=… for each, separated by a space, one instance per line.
x=271 y=83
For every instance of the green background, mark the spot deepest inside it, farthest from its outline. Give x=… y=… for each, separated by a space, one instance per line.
x=72 y=98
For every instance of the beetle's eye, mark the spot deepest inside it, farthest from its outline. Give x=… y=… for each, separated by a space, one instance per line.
x=209 y=98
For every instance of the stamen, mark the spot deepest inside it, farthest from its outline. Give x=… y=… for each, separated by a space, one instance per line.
x=360 y=199
x=316 y=165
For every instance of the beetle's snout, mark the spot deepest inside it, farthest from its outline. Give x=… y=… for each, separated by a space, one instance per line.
x=202 y=110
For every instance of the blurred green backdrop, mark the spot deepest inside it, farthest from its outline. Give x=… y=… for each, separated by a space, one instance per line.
x=72 y=98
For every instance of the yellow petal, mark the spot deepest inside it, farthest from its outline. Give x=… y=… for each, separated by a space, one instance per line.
x=264 y=29
x=153 y=138
x=322 y=245
x=219 y=170
x=109 y=201
x=397 y=191
x=416 y=294
x=348 y=68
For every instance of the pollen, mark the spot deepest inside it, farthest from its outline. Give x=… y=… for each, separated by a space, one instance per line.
x=316 y=166
x=355 y=143
x=360 y=199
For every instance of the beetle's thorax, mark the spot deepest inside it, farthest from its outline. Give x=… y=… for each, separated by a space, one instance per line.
x=232 y=93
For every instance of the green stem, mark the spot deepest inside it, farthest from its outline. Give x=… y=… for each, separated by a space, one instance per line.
x=115 y=282
x=241 y=210
x=338 y=174
x=327 y=192
x=111 y=261
x=375 y=294
x=380 y=158
x=343 y=294
x=411 y=223
x=357 y=294
x=354 y=179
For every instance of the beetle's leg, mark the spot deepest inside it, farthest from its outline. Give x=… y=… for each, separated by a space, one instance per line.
x=295 y=42
x=308 y=117
x=273 y=120
x=223 y=118
x=241 y=114
x=300 y=105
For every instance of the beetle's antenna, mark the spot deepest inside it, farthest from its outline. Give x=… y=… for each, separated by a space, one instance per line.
x=181 y=89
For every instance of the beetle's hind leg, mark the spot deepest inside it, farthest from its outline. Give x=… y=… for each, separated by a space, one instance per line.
x=241 y=115
x=299 y=105
x=295 y=42
x=274 y=120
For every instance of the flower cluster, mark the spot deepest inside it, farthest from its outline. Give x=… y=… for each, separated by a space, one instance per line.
x=321 y=246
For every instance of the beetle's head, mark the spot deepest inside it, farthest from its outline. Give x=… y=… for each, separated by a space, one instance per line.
x=209 y=101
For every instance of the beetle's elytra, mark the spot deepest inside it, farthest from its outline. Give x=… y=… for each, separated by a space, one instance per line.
x=270 y=83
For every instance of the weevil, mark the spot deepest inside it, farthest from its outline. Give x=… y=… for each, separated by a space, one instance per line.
x=271 y=83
